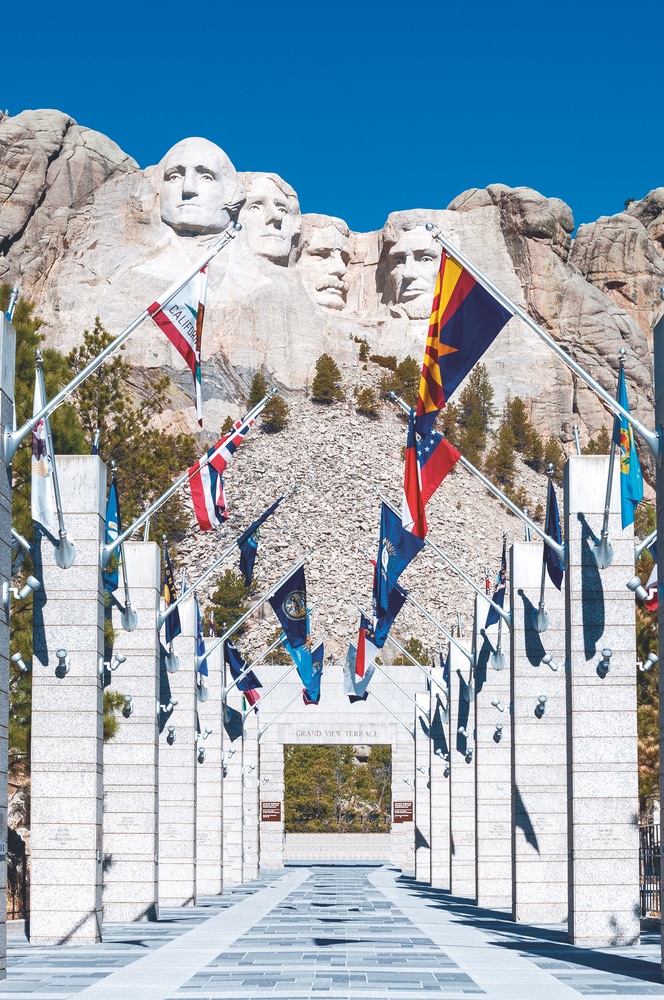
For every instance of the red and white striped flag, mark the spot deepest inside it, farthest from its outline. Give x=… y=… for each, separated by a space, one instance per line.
x=181 y=319
x=205 y=478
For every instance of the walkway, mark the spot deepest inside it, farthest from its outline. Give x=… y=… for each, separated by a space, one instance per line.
x=337 y=933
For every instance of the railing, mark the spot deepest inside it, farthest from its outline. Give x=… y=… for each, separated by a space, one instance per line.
x=650 y=869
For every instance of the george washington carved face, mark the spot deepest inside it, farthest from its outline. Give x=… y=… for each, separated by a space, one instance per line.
x=199 y=191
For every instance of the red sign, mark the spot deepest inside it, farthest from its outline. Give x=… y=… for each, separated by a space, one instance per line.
x=271 y=812
x=403 y=812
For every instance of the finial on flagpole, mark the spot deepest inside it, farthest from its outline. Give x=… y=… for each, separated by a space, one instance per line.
x=577 y=438
x=13 y=299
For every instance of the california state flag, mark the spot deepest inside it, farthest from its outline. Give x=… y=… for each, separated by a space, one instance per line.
x=181 y=319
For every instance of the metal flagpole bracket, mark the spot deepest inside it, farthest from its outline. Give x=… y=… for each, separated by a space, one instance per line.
x=639 y=547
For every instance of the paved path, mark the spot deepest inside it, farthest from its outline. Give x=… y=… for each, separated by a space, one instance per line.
x=336 y=933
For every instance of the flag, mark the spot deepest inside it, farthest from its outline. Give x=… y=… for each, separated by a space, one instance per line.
x=413 y=516
x=366 y=647
x=465 y=320
x=436 y=458
x=289 y=604
x=445 y=666
x=181 y=319
x=554 y=564
x=201 y=658
x=498 y=598
x=248 y=543
x=652 y=600
x=311 y=694
x=396 y=549
x=237 y=664
x=354 y=686
x=487 y=581
x=631 y=480
x=110 y=576
x=384 y=623
x=44 y=508
x=205 y=478
x=172 y=624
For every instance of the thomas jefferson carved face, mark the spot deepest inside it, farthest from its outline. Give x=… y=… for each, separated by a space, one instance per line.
x=413 y=264
x=268 y=216
x=323 y=265
x=199 y=190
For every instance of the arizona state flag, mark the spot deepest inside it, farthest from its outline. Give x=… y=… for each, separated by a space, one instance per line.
x=465 y=320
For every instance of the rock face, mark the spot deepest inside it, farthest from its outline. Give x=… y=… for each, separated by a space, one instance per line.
x=85 y=232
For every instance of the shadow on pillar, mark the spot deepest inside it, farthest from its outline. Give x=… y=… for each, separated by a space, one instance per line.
x=592 y=592
x=39 y=597
x=463 y=714
x=532 y=642
x=437 y=730
x=481 y=666
x=233 y=724
x=523 y=822
x=165 y=692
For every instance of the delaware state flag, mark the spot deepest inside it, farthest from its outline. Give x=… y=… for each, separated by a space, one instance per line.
x=181 y=319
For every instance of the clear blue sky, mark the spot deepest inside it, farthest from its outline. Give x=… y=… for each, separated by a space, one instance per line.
x=365 y=107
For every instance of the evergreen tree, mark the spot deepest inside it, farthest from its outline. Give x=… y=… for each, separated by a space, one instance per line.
x=449 y=420
x=554 y=453
x=258 y=390
x=501 y=460
x=601 y=445
x=416 y=649
x=275 y=415
x=367 y=403
x=475 y=414
x=408 y=373
x=227 y=425
x=229 y=601
x=326 y=387
x=364 y=350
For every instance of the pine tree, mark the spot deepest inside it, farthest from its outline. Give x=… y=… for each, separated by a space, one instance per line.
x=601 y=445
x=475 y=414
x=554 y=453
x=408 y=373
x=275 y=415
x=501 y=460
x=326 y=387
x=229 y=601
x=258 y=390
x=367 y=403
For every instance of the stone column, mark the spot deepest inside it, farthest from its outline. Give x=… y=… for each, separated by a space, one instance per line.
x=403 y=790
x=250 y=797
x=539 y=752
x=178 y=772
x=131 y=802
x=439 y=746
x=209 y=880
x=462 y=778
x=231 y=790
x=658 y=341
x=492 y=763
x=422 y=797
x=66 y=828
x=271 y=790
x=7 y=365
x=602 y=775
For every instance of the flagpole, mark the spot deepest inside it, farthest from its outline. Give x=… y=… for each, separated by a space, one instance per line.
x=283 y=677
x=255 y=607
x=397 y=685
x=25 y=544
x=540 y=617
x=163 y=615
x=639 y=548
x=559 y=549
x=602 y=548
x=65 y=551
x=442 y=629
x=451 y=564
x=107 y=550
x=411 y=732
x=652 y=438
x=13 y=299
x=13 y=439
x=128 y=618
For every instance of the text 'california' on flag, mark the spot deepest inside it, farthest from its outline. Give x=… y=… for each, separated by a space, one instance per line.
x=205 y=478
x=465 y=320
x=181 y=319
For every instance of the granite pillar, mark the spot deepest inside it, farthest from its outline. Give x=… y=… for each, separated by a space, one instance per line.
x=250 y=797
x=439 y=746
x=231 y=789
x=462 y=777
x=271 y=792
x=602 y=771
x=422 y=789
x=131 y=801
x=539 y=762
x=209 y=865
x=67 y=722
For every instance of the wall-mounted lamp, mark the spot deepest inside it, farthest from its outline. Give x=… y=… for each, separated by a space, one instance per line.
x=172 y=661
x=439 y=752
x=497 y=703
x=469 y=756
x=549 y=661
x=128 y=706
x=540 y=708
x=170 y=739
x=462 y=732
x=264 y=781
x=652 y=659
x=407 y=781
x=169 y=707
x=498 y=735
x=207 y=732
x=62 y=668
x=497 y=659
x=446 y=772
x=637 y=588
x=17 y=658
x=113 y=664
x=201 y=755
x=31 y=584
x=604 y=664
x=202 y=690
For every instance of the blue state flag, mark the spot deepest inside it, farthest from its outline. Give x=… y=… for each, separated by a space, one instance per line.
x=311 y=692
x=289 y=604
x=396 y=549
x=631 y=479
x=237 y=664
x=110 y=576
x=172 y=625
x=200 y=641
x=248 y=543
x=554 y=564
x=384 y=623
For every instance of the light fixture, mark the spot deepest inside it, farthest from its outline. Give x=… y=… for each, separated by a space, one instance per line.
x=498 y=735
x=172 y=661
x=549 y=661
x=207 y=732
x=170 y=739
x=446 y=772
x=265 y=781
x=497 y=659
x=30 y=585
x=469 y=756
x=62 y=668
x=541 y=705
x=169 y=707
x=103 y=665
x=17 y=658
x=201 y=755
x=128 y=706
x=462 y=732
x=637 y=588
x=407 y=781
x=604 y=664
x=202 y=690
x=652 y=659
x=497 y=703
x=439 y=752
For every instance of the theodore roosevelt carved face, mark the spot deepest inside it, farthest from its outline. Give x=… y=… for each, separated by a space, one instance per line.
x=199 y=191
x=413 y=263
x=271 y=217
x=323 y=260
